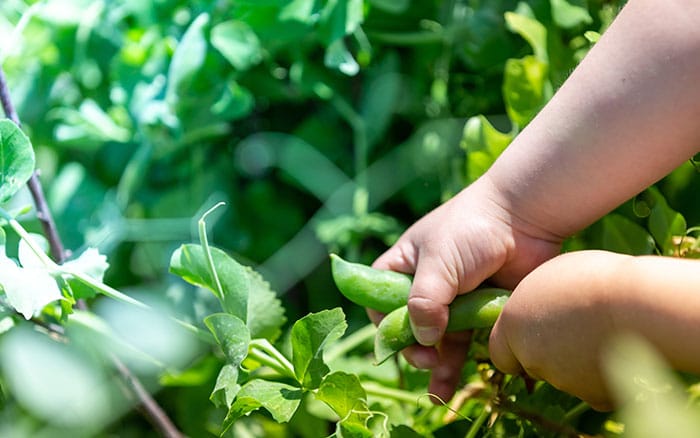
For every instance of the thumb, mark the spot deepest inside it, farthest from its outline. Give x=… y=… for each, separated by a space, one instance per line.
x=432 y=291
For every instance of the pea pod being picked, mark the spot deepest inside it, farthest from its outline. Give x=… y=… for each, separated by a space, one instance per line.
x=477 y=309
x=387 y=292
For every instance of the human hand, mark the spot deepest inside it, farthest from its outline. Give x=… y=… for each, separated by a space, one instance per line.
x=555 y=324
x=453 y=249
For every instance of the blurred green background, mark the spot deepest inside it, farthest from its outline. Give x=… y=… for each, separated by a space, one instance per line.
x=325 y=126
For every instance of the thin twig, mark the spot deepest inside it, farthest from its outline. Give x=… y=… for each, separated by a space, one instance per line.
x=34 y=184
x=152 y=409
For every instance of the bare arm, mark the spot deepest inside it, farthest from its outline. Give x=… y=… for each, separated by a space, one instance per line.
x=559 y=319
x=626 y=117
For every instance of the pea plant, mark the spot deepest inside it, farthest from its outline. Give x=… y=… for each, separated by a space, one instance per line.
x=194 y=191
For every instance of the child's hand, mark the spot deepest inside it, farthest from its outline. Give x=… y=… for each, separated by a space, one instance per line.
x=555 y=322
x=452 y=250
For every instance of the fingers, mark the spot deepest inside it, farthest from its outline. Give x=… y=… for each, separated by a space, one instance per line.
x=444 y=361
x=431 y=293
x=501 y=354
x=446 y=375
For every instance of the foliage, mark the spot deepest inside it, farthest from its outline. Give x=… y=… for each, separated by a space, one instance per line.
x=324 y=126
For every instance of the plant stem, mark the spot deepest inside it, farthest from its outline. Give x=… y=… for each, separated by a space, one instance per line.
x=259 y=353
x=43 y=213
x=154 y=411
x=202 y=225
x=151 y=407
x=476 y=425
x=377 y=390
x=349 y=342
x=575 y=412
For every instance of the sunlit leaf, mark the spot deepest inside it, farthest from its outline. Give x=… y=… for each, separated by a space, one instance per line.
x=238 y=43
x=310 y=336
x=16 y=159
x=28 y=290
x=279 y=399
x=525 y=88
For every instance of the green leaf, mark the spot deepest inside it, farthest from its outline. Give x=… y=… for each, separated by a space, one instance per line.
x=226 y=388
x=526 y=88
x=279 y=399
x=620 y=234
x=483 y=144
x=265 y=311
x=532 y=31
x=652 y=399
x=190 y=263
x=188 y=58
x=16 y=159
x=90 y=262
x=28 y=290
x=664 y=223
x=310 y=336
x=570 y=13
x=231 y=334
x=339 y=57
x=391 y=6
x=55 y=381
x=238 y=43
x=344 y=394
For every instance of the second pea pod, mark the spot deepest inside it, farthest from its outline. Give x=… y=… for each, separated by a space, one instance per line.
x=388 y=291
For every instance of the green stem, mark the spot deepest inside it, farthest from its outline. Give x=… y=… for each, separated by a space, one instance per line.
x=576 y=411
x=350 y=342
x=476 y=425
x=104 y=289
x=361 y=149
x=377 y=390
x=263 y=352
x=207 y=252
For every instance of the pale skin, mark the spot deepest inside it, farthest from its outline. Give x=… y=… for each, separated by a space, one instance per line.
x=626 y=117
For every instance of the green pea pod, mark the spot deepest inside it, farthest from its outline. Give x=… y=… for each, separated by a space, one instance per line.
x=369 y=287
x=476 y=309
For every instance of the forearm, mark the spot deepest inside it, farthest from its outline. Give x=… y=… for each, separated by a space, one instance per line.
x=626 y=117
x=661 y=302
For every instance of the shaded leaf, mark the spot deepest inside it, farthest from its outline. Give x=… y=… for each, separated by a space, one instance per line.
x=226 y=388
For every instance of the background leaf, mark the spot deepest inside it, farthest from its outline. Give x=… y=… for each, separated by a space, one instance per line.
x=16 y=159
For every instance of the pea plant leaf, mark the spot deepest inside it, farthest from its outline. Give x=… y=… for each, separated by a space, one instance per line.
x=665 y=222
x=310 y=336
x=244 y=293
x=483 y=143
x=16 y=159
x=279 y=399
x=190 y=263
x=231 y=334
x=188 y=58
x=265 y=311
x=233 y=337
x=28 y=290
x=346 y=396
x=238 y=43
x=89 y=262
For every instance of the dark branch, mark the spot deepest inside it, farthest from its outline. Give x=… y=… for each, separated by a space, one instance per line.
x=42 y=209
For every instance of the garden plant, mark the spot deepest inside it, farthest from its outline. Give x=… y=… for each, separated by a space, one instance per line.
x=192 y=191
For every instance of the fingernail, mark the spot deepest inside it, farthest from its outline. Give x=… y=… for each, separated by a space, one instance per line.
x=427 y=335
